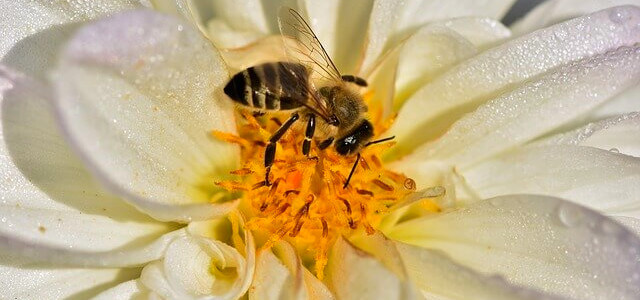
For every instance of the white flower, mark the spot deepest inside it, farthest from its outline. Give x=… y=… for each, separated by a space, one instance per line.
x=130 y=100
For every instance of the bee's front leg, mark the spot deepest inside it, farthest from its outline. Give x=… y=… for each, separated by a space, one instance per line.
x=308 y=134
x=270 y=151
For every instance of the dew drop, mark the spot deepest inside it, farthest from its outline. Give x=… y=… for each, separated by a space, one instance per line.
x=618 y=16
x=614 y=150
x=496 y=201
x=610 y=228
x=570 y=215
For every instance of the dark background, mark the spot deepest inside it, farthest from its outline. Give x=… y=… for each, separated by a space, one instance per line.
x=519 y=9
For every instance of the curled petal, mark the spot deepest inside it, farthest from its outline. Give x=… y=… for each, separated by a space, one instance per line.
x=138 y=96
x=433 y=108
x=537 y=241
x=197 y=267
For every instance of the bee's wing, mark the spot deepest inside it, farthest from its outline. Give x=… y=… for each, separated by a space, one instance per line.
x=298 y=76
x=302 y=45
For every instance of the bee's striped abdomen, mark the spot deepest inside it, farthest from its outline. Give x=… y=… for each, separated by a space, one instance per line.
x=270 y=86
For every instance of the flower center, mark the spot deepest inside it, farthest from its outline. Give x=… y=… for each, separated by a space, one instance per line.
x=307 y=203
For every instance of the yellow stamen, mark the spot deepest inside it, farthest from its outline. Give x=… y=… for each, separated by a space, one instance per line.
x=306 y=203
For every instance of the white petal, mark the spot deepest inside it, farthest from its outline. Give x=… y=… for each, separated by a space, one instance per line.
x=617 y=134
x=231 y=24
x=425 y=55
x=555 y=11
x=282 y=276
x=538 y=241
x=197 y=267
x=23 y=18
x=534 y=109
x=632 y=224
x=23 y=279
x=481 y=32
x=340 y=26
x=354 y=274
x=272 y=279
x=622 y=104
x=128 y=290
x=391 y=20
x=431 y=110
x=138 y=96
x=600 y=179
x=437 y=275
x=52 y=210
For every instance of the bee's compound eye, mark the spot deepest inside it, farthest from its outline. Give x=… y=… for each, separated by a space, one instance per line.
x=347 y=145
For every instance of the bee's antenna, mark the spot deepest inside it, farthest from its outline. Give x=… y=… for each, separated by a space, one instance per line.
x=380 y=141
x=353 y=169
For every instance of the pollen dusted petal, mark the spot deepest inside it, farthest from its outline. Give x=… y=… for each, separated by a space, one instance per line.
x=537 y=241
x=53 y=211
x=138 y=95
x=596 y=178
x=432 y=109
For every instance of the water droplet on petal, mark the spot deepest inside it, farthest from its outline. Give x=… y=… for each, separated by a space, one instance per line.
x=614 y=150
x=619 y=15
x=570 y=215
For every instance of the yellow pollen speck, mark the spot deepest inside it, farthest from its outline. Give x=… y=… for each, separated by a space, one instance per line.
x=306 y=203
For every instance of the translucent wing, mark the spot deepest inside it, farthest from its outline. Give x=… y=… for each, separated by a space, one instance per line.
x=303 y=45
x=304 y=48
x=295 y=79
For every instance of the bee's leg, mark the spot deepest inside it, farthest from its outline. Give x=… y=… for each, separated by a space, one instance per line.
x=355 y=79
x=270 y=151
x=353 y=169
x=308 y=134
x=326 y=143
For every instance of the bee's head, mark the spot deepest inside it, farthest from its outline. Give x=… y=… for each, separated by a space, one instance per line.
x=353 y=141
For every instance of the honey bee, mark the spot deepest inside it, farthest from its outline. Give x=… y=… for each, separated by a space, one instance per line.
x=335 y=112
